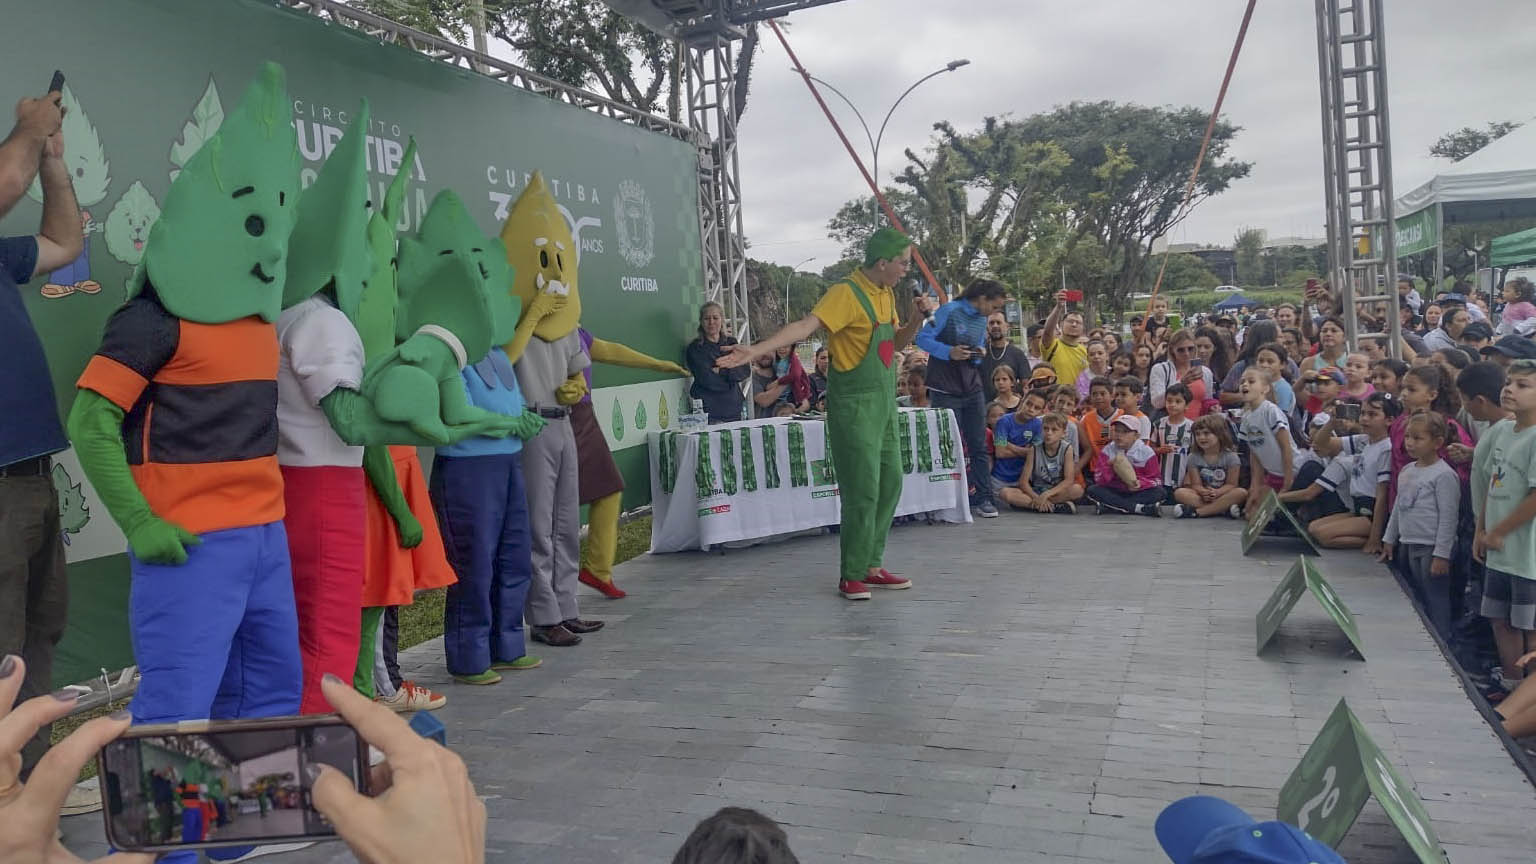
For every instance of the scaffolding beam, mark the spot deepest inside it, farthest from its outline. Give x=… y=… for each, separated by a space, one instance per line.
x=711 y=73
x=1357 y=163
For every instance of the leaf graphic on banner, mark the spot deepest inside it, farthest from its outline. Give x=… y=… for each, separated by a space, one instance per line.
x=618 y=421
x=663 y=417
x=207 y=117
x=640 y=415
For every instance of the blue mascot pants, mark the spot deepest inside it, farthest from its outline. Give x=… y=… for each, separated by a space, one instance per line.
x=482 y=511
x=217 y=636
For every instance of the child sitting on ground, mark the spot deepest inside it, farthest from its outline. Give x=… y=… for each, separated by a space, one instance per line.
x=1049 y=483
x=1424 y=519
x=1210 y=485
x=1172 y=437
x=1127 y=396
x=1504 y=499
x=1358 y=474
x=1127 y=475
x=1014 y=440
x=1095 y=423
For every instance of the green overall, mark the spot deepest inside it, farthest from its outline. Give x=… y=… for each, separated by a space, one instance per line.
x=862 y=435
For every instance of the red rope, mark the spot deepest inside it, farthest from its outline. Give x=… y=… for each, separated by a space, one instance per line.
x=1210 y=129
x=873 y=186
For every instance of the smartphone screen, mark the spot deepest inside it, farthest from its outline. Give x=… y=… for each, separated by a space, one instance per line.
x=222 y=783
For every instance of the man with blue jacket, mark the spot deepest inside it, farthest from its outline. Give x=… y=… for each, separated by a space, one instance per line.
x=954 y=340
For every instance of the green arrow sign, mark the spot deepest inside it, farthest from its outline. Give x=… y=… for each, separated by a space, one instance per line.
x=1268 y=508
x=1304 y=576
x=1342 y=769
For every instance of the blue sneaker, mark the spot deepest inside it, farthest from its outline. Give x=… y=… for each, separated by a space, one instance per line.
x=986 y=510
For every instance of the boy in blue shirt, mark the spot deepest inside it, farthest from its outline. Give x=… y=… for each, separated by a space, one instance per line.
x=1014 y=437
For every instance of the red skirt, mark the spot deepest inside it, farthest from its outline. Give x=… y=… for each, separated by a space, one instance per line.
x=392 y=575
x=325 y=545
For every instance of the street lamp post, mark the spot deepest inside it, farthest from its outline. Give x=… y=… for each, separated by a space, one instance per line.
x=874 y=140
x=790 y=278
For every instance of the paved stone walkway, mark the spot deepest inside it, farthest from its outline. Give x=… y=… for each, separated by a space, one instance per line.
x=1048 y=686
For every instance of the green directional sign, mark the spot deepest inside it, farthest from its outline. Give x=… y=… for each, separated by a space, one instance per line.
x=1304 y=576
x=1340 y=771
x=1268 y=509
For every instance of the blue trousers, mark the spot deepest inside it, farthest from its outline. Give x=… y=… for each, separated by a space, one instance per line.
x=971 y=413
x=217 y=636
x=482 y=510
x=191 y=825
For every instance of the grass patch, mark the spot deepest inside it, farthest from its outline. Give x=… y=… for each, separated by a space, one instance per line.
x=423 y=620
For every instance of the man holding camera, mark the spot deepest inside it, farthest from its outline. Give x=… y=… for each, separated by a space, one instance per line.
x=34 y=589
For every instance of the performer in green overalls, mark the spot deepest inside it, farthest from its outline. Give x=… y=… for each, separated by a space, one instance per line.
x=859 y=314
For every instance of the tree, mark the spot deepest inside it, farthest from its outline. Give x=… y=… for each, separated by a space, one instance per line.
x=1129 y=168
x=1248 y=248
x=1184 y=272
x=856 y=220
x=1465 y=141
x=584 y=43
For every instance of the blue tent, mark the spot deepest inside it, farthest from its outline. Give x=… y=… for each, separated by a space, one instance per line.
x=1235 y=302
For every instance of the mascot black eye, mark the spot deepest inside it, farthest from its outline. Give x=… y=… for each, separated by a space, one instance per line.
x=543 y=258
x=255 y=225
x=559 y=261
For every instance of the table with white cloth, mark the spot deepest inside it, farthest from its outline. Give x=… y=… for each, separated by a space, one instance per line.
x=757 y=479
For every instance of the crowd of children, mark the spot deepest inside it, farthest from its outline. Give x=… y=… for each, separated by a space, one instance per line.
x=1429 y=466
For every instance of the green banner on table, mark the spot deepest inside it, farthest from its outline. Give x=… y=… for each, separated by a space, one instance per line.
x=1340 y=771
x=1270 y=507
x=1304 y=576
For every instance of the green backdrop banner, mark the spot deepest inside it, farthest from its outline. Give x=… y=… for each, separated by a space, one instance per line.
x=148 y=80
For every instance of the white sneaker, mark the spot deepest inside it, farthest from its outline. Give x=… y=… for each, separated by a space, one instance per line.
x=414 y=697
x=1235 y=511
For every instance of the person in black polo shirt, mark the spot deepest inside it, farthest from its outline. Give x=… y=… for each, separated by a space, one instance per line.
x=33 y=588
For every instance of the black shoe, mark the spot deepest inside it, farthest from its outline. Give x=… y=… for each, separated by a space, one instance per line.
x=576 y=625
x=556 y=636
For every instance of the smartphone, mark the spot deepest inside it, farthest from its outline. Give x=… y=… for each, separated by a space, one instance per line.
x=206 y=783
x=57 y=84
x=1348 y=411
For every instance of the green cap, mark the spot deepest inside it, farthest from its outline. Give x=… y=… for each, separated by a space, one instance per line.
x=885 y=245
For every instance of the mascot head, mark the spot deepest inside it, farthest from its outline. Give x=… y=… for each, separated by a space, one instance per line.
x=542 y=251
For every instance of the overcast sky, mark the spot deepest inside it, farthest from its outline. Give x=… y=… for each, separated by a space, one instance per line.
x=1450 y=65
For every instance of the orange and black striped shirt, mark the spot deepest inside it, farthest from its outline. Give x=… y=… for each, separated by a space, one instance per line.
x=200 y=403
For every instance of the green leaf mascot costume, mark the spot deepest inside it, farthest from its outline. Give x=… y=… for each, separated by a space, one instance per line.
x=864 y=334
x=327 y=410
x=176 y=425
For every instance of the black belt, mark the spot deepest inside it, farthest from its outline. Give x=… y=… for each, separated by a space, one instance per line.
x=34 y=467
x=553 y=413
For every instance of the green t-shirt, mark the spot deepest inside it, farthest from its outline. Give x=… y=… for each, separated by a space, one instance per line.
x=1504 y=466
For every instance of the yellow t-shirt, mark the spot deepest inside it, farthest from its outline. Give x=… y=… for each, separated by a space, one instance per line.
x=848 y=326
x=1069 y=361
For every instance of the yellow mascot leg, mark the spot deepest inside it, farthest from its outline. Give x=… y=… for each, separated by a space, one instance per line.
x=602 y=545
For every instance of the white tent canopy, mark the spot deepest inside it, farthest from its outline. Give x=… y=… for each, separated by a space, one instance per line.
x=1504 y=170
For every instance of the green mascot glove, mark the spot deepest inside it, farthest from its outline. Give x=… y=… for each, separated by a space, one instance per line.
x=95 y=427
x=528 y=425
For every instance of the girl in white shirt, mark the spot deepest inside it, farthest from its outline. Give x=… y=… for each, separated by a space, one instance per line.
x=1272 y=455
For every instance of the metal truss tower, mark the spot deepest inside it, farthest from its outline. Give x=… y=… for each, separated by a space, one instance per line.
x=1357 y=160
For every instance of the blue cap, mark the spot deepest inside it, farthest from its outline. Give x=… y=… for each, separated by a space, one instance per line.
x=1201 y=829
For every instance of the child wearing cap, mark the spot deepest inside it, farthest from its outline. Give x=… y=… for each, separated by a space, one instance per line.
x=1504 y=500
x=1127 y=475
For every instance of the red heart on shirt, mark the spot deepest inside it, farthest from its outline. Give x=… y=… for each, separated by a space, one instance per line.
x=887 y=350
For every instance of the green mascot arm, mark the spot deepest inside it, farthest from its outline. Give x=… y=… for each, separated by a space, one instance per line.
x=95 y=428
x=356 y=422
x=380 y=469
x=615 y=354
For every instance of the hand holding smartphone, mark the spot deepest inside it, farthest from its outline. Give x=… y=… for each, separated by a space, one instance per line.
x=205 y=784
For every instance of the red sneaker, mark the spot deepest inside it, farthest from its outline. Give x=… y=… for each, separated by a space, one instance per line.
x=853 y=590
x=607 y=589
x=887 y=579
